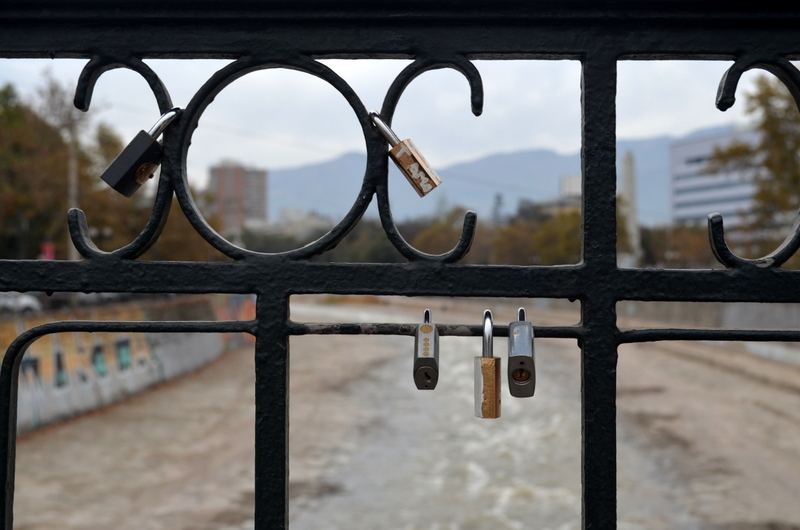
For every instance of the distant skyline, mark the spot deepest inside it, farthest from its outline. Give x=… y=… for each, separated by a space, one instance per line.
x=282 y=119
x=330 y=187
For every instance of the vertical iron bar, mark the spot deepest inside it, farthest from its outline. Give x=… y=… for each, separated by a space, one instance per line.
x=599 y=353
x=9 y=385
x=272 y=412
x=598 y=159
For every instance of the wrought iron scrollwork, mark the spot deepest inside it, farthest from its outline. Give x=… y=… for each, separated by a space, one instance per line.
x=178 y=138
x=76 y=218
x=192 y=115
x=726 y=97
x=396 y=90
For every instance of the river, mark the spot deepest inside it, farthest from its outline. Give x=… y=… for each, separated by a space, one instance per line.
x=421 y=460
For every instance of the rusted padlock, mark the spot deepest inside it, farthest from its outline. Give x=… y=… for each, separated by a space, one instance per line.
x=405 y=155
x=137 y=163
x=487 y=375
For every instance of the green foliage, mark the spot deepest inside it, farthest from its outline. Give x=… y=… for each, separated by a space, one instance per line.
x=679 y=247
x=34 y=155
x=180 y=241
x=556 y=241
x=367 y=242
x=441 y=233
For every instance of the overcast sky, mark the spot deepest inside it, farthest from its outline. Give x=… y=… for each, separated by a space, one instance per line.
x=277 y=118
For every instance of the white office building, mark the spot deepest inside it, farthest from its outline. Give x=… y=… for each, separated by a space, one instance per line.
x=697 y=192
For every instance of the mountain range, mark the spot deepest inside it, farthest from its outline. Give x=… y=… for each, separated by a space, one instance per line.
x=330 y=188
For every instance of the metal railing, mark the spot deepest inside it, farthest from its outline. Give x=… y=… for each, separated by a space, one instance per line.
x=444 y=34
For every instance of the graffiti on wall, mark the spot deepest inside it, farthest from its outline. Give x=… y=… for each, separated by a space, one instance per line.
x=65 y=374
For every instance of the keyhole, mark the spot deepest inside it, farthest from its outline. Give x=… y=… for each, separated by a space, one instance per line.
x=521 y=375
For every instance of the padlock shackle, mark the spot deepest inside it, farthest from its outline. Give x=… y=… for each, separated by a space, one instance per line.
x=488 y=330
x=163 y=122
x=521 y=314
x=387 y=133
x=426 y=316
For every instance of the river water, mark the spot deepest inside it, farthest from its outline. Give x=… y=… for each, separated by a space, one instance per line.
x=421 y=460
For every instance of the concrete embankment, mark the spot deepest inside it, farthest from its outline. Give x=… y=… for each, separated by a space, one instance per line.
x=66 y=374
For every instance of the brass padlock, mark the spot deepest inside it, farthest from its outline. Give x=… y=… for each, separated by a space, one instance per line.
x=487 y=375
x=137 y=163
x=406 y=157
x=426 y=354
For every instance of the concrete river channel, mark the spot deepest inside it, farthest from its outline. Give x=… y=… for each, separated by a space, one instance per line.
x=699 y=446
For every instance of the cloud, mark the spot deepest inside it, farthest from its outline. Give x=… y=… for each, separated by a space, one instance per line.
x=672 y=97
x=281 y=118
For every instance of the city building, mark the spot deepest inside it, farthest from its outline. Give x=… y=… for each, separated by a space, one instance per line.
x=630 y=213
x=697 y=191
x=569 y=200
x=301 y=225
x=240 y=197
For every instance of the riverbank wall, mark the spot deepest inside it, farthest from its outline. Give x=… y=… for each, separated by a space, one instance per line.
x=66 y=374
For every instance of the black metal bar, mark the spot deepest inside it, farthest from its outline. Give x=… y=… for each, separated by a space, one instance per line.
x=272 y=412
x=598 y=347
x=543 y=30
x=742 y=285
x=759 y=335
x=445 y=330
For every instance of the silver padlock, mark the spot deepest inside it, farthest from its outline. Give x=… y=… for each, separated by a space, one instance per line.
x=408 y=160
x=487 y=374
x=426 y=354
x=521 y=360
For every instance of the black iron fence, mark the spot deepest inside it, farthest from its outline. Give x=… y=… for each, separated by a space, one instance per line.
x=446 y=34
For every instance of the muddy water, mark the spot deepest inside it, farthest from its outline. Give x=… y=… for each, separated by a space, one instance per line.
x=421 y=460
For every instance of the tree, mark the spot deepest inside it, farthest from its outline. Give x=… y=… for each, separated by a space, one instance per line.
x=513 y=244
x=775 y=162
x=367 y=242
x=682 y=246
x=35 y=164
x=442 y=232
x=555 y=241
x=180 y=241
x=540 y=234
x=32 y=157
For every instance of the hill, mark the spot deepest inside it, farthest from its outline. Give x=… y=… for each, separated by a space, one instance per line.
x=329 y=188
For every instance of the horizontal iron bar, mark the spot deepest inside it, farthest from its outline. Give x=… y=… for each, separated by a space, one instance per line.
x=300 y=277
x=162 y=33
x=445 y=330
x=179 y=326
x=452 y=9
x=666 y=334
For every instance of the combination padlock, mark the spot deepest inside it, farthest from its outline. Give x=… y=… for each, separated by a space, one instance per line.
x=521 y=360
x=137 y=163
x=426 y=354
x=410 y=162
x=487 y=374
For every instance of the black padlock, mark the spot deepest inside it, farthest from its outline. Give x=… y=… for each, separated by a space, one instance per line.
x=137 y=163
